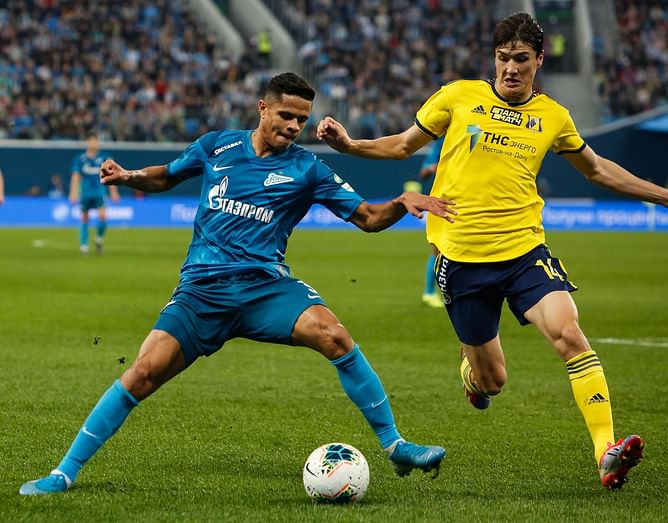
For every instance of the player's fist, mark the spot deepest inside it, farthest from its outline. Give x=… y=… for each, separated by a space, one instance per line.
x=333 y=134
x=112 y=174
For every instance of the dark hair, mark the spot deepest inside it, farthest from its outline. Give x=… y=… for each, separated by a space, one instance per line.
x=91 y=134
x=519 y=27
x=290 y=83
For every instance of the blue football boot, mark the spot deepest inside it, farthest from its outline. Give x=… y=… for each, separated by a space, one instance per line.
x=407 y=456
x=51 y=484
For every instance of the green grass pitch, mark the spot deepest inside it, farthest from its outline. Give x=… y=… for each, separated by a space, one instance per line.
x=226 y=440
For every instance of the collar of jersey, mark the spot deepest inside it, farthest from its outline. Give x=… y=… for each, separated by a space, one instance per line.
x=512 y=104
x=248 y=144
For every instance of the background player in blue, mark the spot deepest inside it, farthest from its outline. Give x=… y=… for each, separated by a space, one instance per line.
x=430 y=296
x=256 y=187
x=85 y=188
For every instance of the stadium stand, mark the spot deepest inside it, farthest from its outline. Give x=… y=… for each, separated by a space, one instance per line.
x=135 y=71
x=379 y=61
x=146 y=71
x=635 y=77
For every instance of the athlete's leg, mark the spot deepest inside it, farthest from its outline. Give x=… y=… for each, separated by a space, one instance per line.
x=318 y=328
x=430 y=296
x=556 y=316
x=483 y=371
x=83 y=232
x=101 y=228
x=160 y=358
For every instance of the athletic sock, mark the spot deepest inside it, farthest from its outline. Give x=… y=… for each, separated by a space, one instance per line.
x=465 y=372
x=590 y=390
x=363 y=387
x=102 y=423
x=83 y=234
x=101 y=228
x=430 y=275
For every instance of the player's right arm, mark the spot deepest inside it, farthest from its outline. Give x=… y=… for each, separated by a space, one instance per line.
x=159 y=178
x=394 y=147
x=148 y=179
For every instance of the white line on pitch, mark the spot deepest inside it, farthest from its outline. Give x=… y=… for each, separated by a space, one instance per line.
x=636 y=342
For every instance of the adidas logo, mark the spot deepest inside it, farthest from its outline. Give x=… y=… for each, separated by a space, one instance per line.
x=597 y=398
x=276 y=178
x=479 y=110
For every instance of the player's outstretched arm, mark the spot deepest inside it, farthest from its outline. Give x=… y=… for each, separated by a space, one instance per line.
x=394 y=147
x=374 y=217
x=614 y=177
x=148 y=179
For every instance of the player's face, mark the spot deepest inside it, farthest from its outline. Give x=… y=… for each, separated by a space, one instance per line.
x=516 y=67
x=282 y=120
x=93 y=143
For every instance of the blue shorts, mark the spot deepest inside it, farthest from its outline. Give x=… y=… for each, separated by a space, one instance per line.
x=474 y=292
x=203 y=315
x=94 y=202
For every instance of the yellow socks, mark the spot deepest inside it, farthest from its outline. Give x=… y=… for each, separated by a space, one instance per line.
x=591 y=394
x=465 y=371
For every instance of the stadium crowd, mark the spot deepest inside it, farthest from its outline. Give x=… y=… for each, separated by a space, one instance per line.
x=635 y=79
x=135 y=70
x=379 y=61
x=141 y=70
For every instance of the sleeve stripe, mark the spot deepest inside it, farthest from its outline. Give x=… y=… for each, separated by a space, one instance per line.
x=573 y=151
x=425 y=130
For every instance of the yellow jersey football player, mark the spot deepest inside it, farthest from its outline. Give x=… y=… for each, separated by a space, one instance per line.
x=497 y=133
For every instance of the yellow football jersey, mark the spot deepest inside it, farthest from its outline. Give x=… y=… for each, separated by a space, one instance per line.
x=491 y=156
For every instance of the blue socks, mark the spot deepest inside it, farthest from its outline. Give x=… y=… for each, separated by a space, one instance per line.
x=364 y=388
x=101 y=227
x=102 y=423
x=83 y=234
x=430 y=276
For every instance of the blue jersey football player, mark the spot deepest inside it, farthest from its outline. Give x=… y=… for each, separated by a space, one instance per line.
x=86 y=189
x=256 y=186
x=430 y=296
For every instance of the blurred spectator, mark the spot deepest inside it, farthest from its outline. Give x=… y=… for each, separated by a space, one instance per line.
x=56 y=188
x=33 y=190
x=635 y=79
x=134 y=70
x=264 y=48
x=379 y=61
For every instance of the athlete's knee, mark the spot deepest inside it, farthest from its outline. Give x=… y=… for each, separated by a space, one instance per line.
x=491 y=382
x=141 y=379
x=333 y=340
x=571 y=341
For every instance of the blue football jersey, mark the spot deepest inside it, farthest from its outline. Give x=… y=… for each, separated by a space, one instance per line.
x=249 y=205
x=434 y=154
x=89 y=169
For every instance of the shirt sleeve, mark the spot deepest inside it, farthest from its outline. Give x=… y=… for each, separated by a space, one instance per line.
x=192 y=160
x=333 y=192
x=568 y=140
x=434 y=116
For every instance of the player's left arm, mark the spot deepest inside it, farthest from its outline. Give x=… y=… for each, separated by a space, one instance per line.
x=614 y=177
x=374 y=217
x=2 y=188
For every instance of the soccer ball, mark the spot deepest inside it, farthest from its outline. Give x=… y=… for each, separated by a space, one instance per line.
x=336 y=473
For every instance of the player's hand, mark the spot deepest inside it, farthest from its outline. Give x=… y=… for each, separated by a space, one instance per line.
x=416 y=204
x=112 y=174
x=333 y=134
